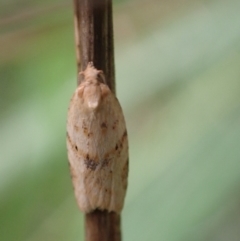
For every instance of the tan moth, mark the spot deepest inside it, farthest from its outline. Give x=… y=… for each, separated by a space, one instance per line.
x=97 y=145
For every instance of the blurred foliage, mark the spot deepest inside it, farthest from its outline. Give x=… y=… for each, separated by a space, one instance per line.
x=177 y=65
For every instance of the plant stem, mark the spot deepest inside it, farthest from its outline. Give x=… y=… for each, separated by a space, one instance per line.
x=102 y=226
x=94 y=36
x=94 y=42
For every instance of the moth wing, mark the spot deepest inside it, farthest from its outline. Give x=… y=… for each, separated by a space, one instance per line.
x=98 y=154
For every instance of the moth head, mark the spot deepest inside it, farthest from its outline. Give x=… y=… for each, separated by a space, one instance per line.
x=91 y=74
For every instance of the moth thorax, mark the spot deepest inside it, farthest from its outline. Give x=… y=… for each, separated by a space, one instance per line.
x=92 y=96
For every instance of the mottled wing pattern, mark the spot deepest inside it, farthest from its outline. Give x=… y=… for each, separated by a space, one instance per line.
x=97 y=148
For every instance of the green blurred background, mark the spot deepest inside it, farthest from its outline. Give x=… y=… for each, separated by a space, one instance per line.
x=178 y=80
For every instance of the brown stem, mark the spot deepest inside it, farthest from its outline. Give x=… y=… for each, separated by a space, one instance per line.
x=94 y=42
x=94 y=36
x=102 y=226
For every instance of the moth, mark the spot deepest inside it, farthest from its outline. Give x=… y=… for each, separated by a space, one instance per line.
x=97 y=145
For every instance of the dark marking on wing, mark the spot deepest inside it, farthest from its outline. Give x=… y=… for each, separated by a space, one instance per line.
x=84 y=127
x=117 y=149
x=70 y=141
x=90 y=134
x=74 y=147
x=104 y=125
x=124 y=135
x=105 y=162
x=115 y=124
x=76 y=128
x=125 y=175
x=90 y=163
